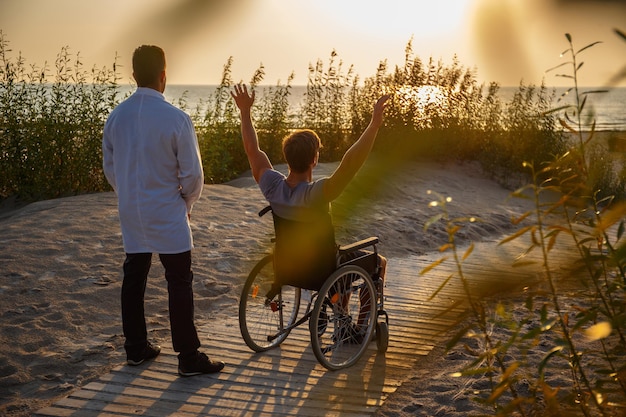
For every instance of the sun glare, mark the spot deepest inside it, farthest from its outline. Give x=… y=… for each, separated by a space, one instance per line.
x=422 y=100
x=398 y=16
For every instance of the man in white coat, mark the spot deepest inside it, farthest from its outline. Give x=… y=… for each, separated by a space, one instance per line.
x=152 y=160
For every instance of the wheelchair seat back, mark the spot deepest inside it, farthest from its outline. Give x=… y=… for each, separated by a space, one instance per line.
x=305 y=253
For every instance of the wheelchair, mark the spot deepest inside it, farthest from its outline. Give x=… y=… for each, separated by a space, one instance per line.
x=344 y=315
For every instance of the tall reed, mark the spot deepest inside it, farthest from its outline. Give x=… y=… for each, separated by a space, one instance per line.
x=585 y=339
x=51 y=133
x=325 y=107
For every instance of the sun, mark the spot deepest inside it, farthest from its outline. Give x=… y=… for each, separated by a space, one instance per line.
x=421 y=101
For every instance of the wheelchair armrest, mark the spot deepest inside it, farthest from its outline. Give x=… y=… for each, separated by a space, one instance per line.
x=370 y=241
x=264 y=211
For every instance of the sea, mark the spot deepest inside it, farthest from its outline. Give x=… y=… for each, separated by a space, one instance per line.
x=609 y=108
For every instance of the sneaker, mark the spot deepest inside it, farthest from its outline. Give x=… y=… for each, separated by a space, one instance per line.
x=149 y=352
x=199 y=364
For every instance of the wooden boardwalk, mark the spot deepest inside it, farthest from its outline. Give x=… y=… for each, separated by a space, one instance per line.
x=288 y=380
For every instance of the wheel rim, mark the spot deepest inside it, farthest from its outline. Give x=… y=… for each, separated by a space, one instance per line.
x=260 y=318
x=346 y=332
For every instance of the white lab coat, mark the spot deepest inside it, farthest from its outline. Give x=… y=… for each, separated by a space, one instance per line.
x=152 y=160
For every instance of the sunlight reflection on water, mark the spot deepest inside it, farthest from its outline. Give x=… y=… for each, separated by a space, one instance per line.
x=608 y=107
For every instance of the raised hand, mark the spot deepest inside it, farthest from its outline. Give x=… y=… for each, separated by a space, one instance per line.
x=379 y=108
x=243 y=99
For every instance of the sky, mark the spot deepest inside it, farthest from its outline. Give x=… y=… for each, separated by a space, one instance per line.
x=504 y=41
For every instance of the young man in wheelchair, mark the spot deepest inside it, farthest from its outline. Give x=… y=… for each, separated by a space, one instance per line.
x=305 y=241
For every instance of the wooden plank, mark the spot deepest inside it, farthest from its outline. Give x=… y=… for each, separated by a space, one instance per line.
x=235 y=400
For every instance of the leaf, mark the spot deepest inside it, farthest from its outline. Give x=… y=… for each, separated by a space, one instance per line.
x=582 y=104
x=549 y=393
x=532 y=333
x=588 y=46
x=454 y=229
x=546 y=359
x=594 y=92
x=469 y=251
x=433 y=265
x=519 y=219
x=516 y=234
x=509 y=371
x=497 y=392
x=591 y=239
x=445 y=247
x=560 y=229
x=517 y=264
x=441 y=287
x=500 y=310
x=520 y=192
x=607 y=200
x=533 y=237
x=556 y=109
x=619 y=255
x=587 y=317
x=558 y=66
x=552 y=241
x=566 y=126
x=433 y=220
x=599 y=331
x=457 y=336
x=592 y=130
x=614 y=214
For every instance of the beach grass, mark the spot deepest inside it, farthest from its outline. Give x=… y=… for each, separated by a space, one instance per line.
x=51 y=120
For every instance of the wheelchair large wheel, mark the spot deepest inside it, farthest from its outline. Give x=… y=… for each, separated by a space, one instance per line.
x=341 y=328
x=262 y=321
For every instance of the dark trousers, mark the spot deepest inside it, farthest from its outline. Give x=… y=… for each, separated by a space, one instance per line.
x=180 y=293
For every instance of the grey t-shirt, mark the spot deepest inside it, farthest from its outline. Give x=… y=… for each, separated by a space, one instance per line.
x=305 y=251
x=304 y=202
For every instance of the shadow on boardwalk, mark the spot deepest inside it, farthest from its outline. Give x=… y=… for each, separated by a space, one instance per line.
x=288 y=380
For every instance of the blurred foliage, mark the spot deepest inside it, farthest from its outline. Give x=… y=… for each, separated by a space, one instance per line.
x=578 y=201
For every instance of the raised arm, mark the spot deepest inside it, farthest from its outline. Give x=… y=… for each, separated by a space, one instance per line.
x=259 y=162
x=354 y=157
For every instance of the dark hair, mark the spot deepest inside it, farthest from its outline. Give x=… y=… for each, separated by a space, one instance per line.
x=300 y=149
x=148 y=63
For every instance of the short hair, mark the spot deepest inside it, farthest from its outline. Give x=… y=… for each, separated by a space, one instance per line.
x=148 y=63
x=300 y=149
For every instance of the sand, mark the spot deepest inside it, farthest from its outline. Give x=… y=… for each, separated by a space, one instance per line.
x=61 y=271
